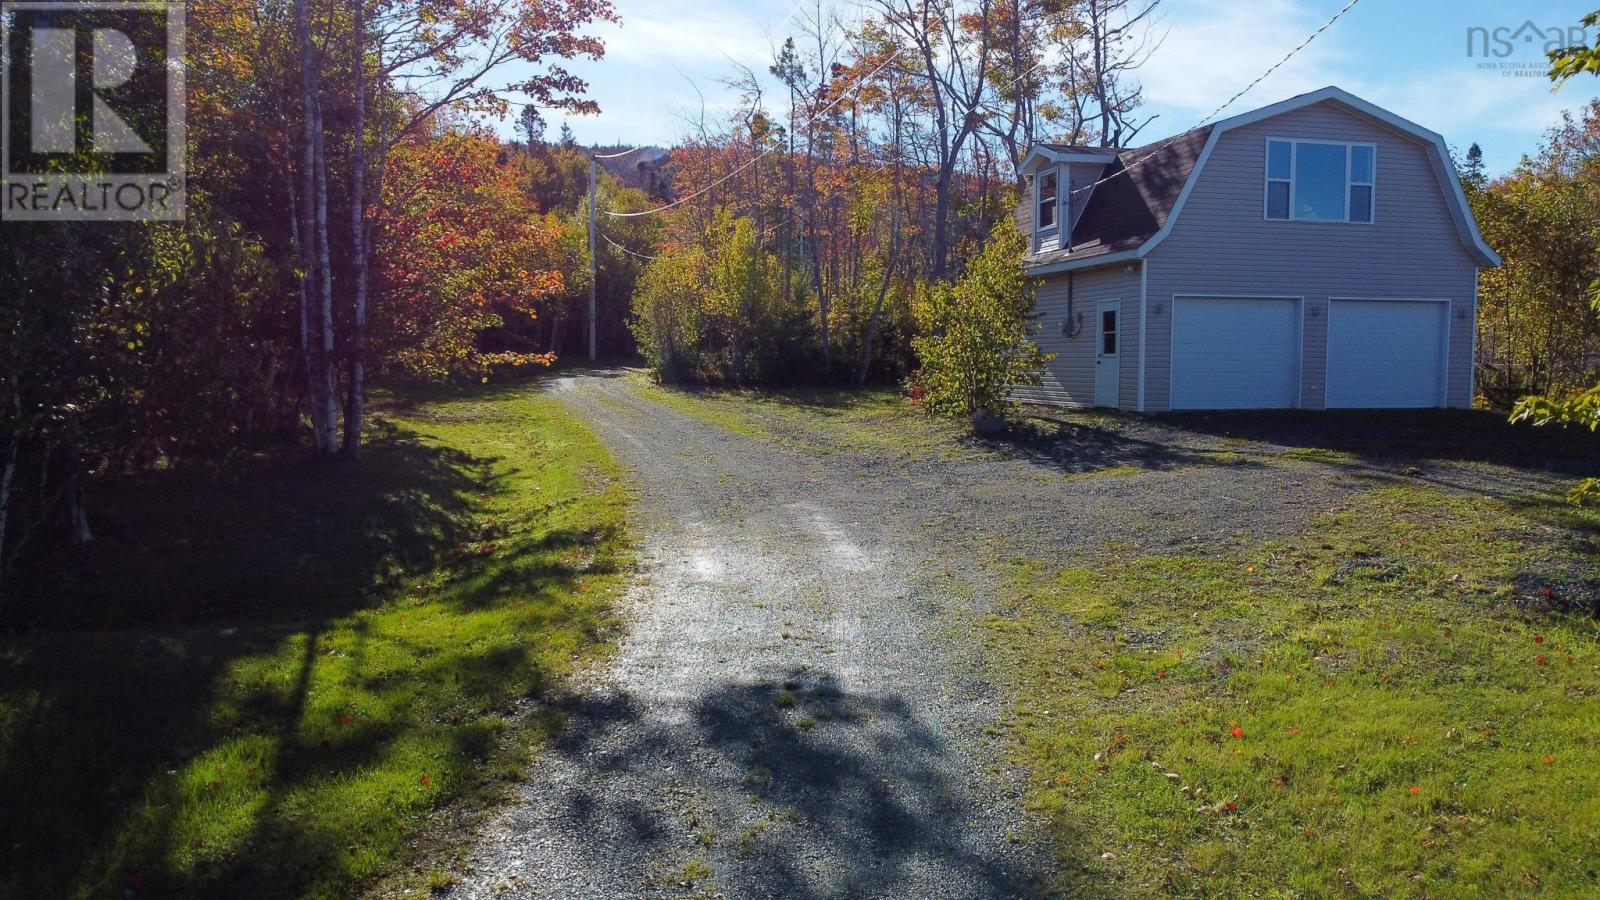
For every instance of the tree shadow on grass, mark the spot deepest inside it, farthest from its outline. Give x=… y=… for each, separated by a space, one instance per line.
x=260 y=539
x=203 y=640
x=1107 y=441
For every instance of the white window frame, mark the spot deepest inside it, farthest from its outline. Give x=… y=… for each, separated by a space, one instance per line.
x=1349 y=172
x=1042 y=231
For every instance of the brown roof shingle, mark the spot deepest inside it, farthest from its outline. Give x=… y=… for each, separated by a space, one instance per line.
x=1135 y=195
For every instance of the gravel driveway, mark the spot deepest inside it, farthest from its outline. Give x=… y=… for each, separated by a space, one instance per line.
x=795 y=709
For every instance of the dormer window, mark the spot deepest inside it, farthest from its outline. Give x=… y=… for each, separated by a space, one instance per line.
x=1320 y=181
x=1048 y=188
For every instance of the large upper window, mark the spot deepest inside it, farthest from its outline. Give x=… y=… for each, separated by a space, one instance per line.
x=1320 y=181
x=1049 y=187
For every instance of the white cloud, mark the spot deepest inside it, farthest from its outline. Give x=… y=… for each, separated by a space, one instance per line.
x=1460 y=99
x=703 y=40
x=1213 y=48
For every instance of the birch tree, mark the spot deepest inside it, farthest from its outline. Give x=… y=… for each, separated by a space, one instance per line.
x=423 y=60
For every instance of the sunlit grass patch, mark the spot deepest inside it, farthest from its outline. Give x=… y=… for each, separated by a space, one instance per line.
x=1317 y=454
x=1377 y=707
x=820 y=420
x=308 y=662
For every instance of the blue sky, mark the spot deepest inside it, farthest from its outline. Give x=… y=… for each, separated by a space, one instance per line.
x=666 y=63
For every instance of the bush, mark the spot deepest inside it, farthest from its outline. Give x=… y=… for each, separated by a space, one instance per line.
x=667 y=316
x=717 y=310
x=974 y=334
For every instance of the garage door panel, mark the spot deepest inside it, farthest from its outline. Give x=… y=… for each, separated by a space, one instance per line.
x=1235 y=353
x=1386 y=354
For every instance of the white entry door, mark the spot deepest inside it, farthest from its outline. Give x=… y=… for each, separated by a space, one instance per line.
x=1107 y=369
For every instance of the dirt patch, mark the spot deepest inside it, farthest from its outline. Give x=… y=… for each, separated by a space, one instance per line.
x=1560 y=593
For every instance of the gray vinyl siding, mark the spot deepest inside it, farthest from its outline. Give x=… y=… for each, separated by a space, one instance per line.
x=1069 y=379
x=1222 y=245
x=1078 y=175
x=1024 y=213
x=1129 y=339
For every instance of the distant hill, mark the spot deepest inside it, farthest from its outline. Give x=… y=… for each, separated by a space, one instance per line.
x=646 y=168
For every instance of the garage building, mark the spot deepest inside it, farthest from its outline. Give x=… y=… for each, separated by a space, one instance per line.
x=1313 y=254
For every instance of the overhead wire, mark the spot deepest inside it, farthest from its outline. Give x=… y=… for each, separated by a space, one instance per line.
x=608 y=240
x=861 y=82
x=1162 y=145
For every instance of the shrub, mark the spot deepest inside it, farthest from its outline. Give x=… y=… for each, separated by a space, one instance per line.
x=667 y=317
x=974 y=334
x=718 y=309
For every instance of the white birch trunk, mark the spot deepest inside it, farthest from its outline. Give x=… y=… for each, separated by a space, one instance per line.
x=356 y=399
x=330 y=426
x=310 y=260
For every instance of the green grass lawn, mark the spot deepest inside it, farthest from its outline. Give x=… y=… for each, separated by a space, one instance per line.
x=276 y=679
x=1393 y=704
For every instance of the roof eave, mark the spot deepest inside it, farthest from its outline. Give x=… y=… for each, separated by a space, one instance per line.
x=1087 y=262
x=1041 y=154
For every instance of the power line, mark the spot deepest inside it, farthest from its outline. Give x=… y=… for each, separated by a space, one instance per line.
x=1162 y=145
x=786 y=19
x=896 y=55
x=1286 y=57
x=608 y=240
x=615 y=155
x=792 y=10
x=1032 y=69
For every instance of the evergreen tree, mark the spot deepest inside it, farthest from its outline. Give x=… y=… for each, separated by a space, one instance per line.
x=532 y=125
x=1472 y=173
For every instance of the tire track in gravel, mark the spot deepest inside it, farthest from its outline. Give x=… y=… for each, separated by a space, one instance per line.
x=786 y=715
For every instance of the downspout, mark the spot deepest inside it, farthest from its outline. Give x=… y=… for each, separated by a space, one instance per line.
x=1074 y=322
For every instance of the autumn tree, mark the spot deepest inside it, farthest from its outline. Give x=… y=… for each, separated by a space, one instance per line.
x=130 y=346
x=424 y=60
x=951 y=50
x=461 y=252
x=1537 y=331
x=1582 y=407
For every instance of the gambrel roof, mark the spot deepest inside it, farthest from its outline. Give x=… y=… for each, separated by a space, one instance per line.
x=1141 y=192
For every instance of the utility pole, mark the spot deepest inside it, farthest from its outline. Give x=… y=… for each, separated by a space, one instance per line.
x=593 y=268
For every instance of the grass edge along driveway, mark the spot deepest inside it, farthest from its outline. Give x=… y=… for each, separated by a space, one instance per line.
x=271 y=681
